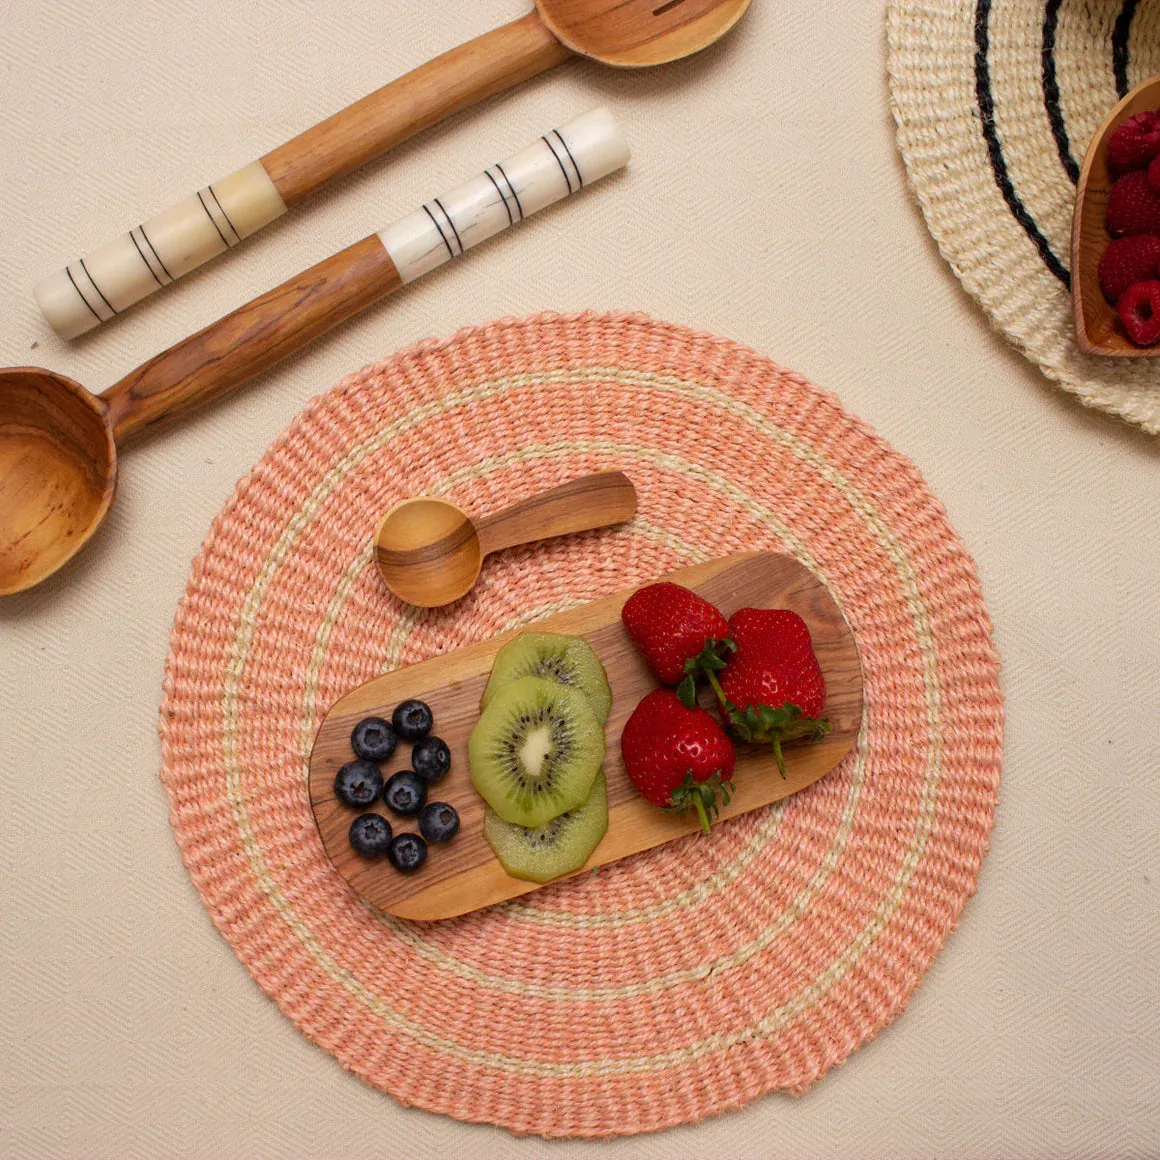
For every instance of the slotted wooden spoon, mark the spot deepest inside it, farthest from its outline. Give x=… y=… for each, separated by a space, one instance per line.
x=624 y=33
x=1097 y=325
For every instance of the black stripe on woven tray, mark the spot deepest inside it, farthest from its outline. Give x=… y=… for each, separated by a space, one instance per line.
x=1120 y=55
x=1120 y=46
x=986 y=105
x=1051 y=91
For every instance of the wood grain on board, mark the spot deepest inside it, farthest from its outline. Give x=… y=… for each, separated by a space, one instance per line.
x=464 y=875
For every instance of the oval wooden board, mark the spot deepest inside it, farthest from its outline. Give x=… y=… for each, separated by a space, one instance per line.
x=464 y=875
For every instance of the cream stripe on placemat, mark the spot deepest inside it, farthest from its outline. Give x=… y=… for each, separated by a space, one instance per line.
x=795 y=932
x=996 y=102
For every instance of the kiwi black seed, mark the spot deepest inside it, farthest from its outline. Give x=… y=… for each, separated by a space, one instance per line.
x=560 y=846
x=535 y=751
x=566 y=660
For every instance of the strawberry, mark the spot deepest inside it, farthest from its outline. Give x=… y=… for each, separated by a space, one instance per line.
x=1135 y=142
x=1133 y=206
x=678 y=758
x=1139 y=310
x=772 y=689
x=678 y=633
x=1127 y=261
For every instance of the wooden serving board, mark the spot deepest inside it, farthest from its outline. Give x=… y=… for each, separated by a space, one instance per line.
x=464 y=875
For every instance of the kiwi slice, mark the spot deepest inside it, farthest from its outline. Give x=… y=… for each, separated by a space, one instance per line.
x=567 y=660
x=535 y=751
x=557 y=847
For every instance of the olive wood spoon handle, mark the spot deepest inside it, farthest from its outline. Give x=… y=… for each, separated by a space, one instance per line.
x=593 y=501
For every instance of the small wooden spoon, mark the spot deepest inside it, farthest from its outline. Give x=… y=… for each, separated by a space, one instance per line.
x=1097 y=325
x=429 y=551
x=624 y=33
x=58 y=442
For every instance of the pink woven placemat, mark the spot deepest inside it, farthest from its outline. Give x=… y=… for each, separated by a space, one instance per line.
x=672 y=985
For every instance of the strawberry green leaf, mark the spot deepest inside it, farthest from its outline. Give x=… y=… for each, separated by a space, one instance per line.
x=769 y=725
x=707 y=663
x=705 y=797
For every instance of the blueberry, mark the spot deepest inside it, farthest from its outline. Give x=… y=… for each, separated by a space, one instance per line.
x=407 y=852
x=373 y=739
x=370 y=835
x=412 y=720
x=405 y=793
x=430 y=758
x=438 y=822
x=358 y=784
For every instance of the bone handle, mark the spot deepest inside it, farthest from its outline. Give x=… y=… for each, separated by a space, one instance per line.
x=259 y=334
x=107 y=281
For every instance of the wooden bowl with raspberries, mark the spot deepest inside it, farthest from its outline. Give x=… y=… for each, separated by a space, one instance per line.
x=1115 y=235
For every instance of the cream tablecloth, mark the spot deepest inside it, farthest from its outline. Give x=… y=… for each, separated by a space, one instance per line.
x=765 y=201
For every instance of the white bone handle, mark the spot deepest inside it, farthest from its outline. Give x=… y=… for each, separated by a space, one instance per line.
x=560 y=163
x=109 y=280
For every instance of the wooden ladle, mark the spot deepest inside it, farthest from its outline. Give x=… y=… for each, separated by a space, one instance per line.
x=625 y=33
x=429 y=551
x=58 y=442
x=1098 y=329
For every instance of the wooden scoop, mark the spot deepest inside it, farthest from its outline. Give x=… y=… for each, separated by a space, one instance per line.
x=625 y=33
x=1097 y=325
x=429 y=551
x=58 y=442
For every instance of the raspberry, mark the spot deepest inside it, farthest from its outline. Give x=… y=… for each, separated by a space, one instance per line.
x=1154 y=174
x=1127 y=261
x=1134 y=143
x=1133 y=206
x=1139 y=309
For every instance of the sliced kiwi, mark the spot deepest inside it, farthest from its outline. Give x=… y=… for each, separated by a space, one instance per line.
x=567 y=660
x=557 y=847
x=535 y=751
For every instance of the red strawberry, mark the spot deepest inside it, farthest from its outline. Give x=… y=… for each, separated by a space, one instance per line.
x=678 y=758
x=1139 y=309
x=1127 y=261
x=1154 y=174
x=1135 y=142
x=773 y=685
x=675 y=629
x=1133 y=206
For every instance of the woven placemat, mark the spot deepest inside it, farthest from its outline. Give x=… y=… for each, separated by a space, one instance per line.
x=668 y=986
x=996 y=102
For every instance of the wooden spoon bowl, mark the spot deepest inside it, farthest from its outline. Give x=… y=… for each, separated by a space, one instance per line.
x=639 y=33
x=429 y=552
x=1097 y=325
x=58 y=472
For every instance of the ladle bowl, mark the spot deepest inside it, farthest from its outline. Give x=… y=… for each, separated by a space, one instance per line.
x=58 y=472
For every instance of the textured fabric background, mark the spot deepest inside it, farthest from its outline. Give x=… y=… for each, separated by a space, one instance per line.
x=766 y=202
